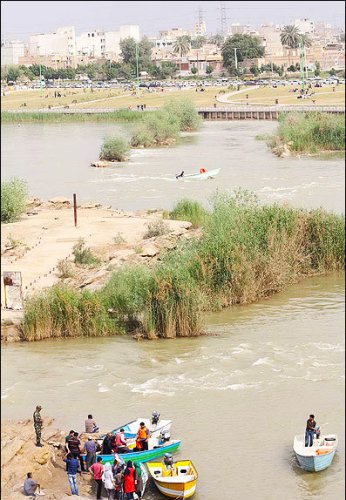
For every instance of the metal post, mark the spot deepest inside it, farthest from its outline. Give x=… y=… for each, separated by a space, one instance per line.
x=235 y=58
x=302 y=61
x=75 y=209
x=137 y=63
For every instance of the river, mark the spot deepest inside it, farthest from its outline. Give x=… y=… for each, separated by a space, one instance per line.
x=55 y=160
x=238 y=395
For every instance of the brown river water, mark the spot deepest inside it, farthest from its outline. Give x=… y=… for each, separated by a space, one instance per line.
x=236 y=396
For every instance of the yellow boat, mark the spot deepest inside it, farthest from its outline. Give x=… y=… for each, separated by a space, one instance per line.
x=176 y=481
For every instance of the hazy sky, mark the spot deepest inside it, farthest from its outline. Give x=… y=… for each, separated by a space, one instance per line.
x=20 y=19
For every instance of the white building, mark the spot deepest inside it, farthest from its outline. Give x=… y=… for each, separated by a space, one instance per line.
x=237 y=28
x=305 y=26
x=105 y=44
x=11 y=51
x=62 y=42
x=200 y=29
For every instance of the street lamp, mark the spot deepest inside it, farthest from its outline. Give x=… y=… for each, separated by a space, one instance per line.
x=236 y=60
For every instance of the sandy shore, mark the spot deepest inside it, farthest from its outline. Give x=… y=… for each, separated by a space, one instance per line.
x=46 y=235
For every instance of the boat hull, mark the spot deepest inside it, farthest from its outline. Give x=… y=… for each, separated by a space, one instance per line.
x=176 y=490
x=142 y=456
x=316 y=463
x=205 y=175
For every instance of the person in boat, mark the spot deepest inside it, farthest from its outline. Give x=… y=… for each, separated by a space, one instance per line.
x=310 y=431
x=202 y=170
x=179 y=176
x=129 y=481
x=106 y=444
x=142 y=438
x=90 y=425
x=121 y=442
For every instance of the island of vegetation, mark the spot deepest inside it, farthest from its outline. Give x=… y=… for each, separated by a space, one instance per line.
x=240 y=253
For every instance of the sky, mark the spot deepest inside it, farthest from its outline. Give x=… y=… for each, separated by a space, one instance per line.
x=20 y=19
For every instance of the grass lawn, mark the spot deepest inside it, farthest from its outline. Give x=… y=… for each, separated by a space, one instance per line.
x=34 y=100
x=103 y=98
x=267 y=96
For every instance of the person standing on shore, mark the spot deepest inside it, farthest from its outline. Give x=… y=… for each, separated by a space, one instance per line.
x=90 y=450
x=73 y=447
x=38 y=422
x=97 y=471
x=72 y=469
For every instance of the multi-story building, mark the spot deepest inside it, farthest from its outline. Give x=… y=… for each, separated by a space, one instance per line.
x=305 y=26
x=11 y=51
x=200 y=29
x=62 y=42
x=92 y=44
x=237 y=28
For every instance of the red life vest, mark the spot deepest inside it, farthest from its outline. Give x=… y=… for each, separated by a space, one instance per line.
x=118 y=441
x=129 y=481
x=202 y=170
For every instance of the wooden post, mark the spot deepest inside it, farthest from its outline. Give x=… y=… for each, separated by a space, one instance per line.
x=75 y=209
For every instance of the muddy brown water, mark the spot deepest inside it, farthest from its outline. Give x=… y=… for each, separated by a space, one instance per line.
x=55 y=160
x=237 y=396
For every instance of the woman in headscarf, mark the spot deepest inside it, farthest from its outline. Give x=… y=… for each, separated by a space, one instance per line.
x=108 y=481
x=129 y=481
x=139 y=485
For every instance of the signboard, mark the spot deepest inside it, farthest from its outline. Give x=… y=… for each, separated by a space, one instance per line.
x=13 y=290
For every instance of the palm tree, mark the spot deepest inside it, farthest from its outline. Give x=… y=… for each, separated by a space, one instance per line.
x=182 y=46
x=290 y=37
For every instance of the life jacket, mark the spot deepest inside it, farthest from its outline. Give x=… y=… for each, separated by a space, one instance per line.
x=118 y=441
x=202 y=170
x=142 y=433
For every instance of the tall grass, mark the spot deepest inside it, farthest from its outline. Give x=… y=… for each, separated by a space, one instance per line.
x=64 y=312
x=121 y=115
x=310 y=132
x=13 y=199
x=245 y=252
x=191 y=211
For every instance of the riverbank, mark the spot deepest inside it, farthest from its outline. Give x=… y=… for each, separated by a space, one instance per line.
x=245 y=252
x=46 y=234
x=308 y=133
x=19 y=455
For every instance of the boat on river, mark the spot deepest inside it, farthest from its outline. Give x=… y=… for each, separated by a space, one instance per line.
x=156 y=448
x=208 y=174
x=317 y=457
x=156 y=427
x=145 y=477
x=176 y=481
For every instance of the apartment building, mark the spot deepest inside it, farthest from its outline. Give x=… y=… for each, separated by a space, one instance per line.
x=62 y=42
x=11 y=52
x=305 y=26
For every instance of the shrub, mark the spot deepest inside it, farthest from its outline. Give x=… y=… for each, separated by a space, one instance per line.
x=191 y=211
x=185 y=111
x=65 y=269
x=13 y=199
x=157 y=129
x=114 y=149
x=83 y=254
x=157 y=228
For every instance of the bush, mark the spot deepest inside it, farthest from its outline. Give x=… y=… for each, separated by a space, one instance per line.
x=65 y=269
x=191 y=211
x=157 y=228
x=83 y=255
x=185 y=111
x=114 y=149
x=310 y=132
x=13 y=199
x=157 y=129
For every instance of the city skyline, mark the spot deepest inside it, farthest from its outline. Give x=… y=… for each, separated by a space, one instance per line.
x=152 y=17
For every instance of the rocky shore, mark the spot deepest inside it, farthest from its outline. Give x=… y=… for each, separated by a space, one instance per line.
x=19 y=455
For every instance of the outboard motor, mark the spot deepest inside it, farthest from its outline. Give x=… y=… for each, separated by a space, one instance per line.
x=164 y=437
x=168 y=460
x=155 y=417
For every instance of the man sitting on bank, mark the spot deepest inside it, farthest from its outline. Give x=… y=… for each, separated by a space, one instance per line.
x=30 y=486
x=90 y=425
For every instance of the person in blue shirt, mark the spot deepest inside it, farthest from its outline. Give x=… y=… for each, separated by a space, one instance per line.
x=72 y=468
